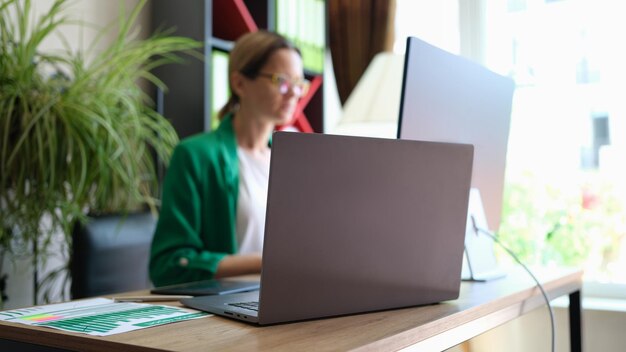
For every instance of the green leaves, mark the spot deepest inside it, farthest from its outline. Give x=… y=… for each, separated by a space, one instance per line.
x=77 y=136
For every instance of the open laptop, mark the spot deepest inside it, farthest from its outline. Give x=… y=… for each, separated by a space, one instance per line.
x=356 y=224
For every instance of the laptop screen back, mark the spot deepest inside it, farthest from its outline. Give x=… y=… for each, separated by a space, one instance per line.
x=359 y=224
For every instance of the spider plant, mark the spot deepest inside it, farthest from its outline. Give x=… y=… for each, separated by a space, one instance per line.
x=78 y=134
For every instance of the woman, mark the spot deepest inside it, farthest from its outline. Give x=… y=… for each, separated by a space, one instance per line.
x=214 y=195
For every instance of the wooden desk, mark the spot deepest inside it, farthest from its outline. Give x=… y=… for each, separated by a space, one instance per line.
x=480 y=307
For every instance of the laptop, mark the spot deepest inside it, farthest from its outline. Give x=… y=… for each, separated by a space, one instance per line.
x=207 y=287
x=354 y=225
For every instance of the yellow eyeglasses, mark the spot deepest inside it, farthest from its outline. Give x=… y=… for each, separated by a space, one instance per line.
x=299 y=86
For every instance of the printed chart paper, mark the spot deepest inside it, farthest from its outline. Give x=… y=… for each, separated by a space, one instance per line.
x=99 y=316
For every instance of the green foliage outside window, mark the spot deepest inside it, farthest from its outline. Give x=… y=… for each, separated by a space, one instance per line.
x=578 y=222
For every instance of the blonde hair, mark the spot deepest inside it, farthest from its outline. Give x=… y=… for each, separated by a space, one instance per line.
x=250 y=53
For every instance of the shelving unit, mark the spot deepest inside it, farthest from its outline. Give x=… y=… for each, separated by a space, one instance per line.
x=194 y=92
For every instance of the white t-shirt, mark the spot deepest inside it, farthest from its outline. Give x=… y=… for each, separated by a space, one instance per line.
x=254 y=171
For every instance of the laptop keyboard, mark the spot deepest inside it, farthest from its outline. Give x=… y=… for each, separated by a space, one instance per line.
x=246 y=305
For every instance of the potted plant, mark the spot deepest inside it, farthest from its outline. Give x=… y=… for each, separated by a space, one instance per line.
x=78 y=134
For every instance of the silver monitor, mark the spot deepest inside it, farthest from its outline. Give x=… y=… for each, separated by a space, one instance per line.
x=448 y=98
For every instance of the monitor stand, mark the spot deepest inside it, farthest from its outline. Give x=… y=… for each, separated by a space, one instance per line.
x=467 y=274
x=479 y=260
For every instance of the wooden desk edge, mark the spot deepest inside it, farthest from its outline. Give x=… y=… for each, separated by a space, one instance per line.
x=63 y=340
x=431 y=334
x=498 y=313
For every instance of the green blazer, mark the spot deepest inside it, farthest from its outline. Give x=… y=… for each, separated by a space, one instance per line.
x=196 y=226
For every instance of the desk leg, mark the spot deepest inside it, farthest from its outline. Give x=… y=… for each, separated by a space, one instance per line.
x=575 y=322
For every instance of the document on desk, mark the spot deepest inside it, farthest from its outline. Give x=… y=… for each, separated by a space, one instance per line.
x=99 y=316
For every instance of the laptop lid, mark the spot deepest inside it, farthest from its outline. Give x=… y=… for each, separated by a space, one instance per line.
x=448 y=98
x=358 y=224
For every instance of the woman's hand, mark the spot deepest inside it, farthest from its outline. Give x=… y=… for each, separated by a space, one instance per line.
x=240 y=264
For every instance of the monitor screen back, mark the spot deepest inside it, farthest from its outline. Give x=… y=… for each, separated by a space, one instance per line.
x=447 y=98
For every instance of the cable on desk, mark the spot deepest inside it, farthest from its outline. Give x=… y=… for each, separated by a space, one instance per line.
x=510 y=252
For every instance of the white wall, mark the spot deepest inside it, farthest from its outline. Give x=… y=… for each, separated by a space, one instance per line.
x=94 y=13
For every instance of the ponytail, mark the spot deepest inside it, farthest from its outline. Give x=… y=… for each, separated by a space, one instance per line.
x=231 y=105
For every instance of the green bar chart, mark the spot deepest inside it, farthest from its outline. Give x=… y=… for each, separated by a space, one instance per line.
x=100 y=316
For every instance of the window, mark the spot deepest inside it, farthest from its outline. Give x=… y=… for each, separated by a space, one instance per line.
x=436 y=22
x=565 y=193
x=516 y=5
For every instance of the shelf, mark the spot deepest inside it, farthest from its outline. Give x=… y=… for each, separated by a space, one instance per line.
x=221 y=44
x=231 y=19
x=198 y=88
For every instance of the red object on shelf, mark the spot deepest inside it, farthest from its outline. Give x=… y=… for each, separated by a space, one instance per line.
x=300 y=120
x=231 y=19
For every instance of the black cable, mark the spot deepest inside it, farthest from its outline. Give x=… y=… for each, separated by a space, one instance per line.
x=510 y=252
